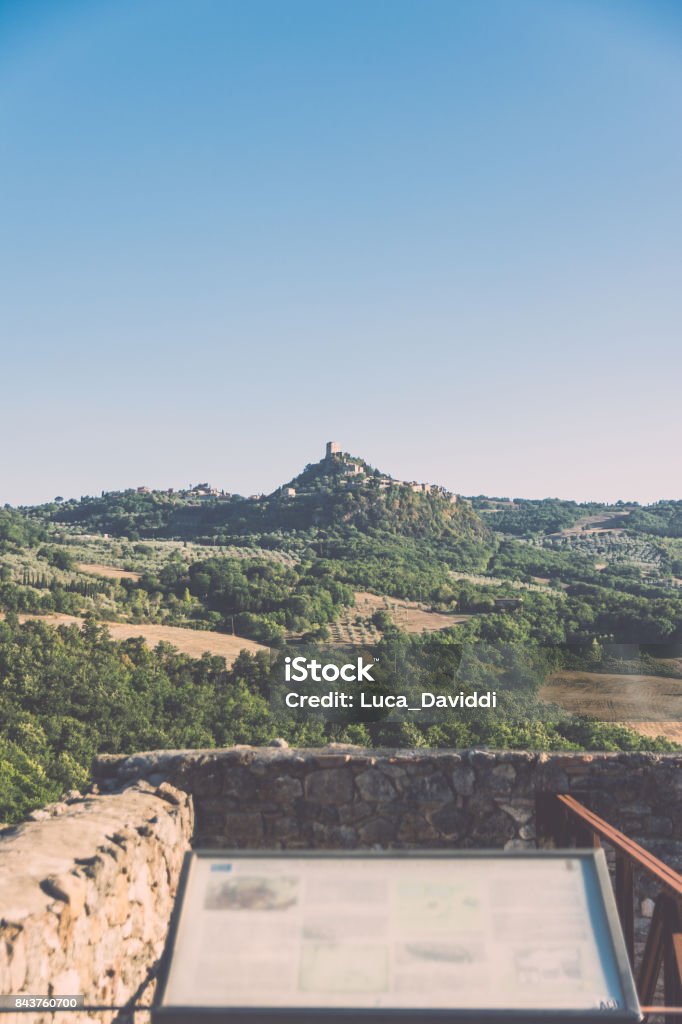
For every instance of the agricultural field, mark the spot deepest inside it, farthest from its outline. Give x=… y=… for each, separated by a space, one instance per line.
x=106 y=577
x=649 y=704
x=540 y=585
x=107 y=571
x=150 y=556
x=97 y=584
x=356 y=626
x=193 y=642
x=117 y=560
x=599 y=523
x=611 y=547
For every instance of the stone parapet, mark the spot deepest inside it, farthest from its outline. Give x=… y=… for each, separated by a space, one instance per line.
x=86 y=892
x=347 y=797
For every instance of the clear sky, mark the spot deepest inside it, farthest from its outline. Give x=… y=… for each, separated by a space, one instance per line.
x=446 y=234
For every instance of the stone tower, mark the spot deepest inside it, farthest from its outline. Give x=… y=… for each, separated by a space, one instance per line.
x=333 y=448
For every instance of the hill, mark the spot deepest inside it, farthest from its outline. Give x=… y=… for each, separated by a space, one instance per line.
x=343 y=490
x=336 y=492
x=482 y=593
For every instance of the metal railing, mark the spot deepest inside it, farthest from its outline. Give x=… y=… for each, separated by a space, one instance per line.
x=571 y=821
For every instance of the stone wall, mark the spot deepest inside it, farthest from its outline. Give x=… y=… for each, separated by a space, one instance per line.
x=348 y=798
x=86 y=888
x=86 y=892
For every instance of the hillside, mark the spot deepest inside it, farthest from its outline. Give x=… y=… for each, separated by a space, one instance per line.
x=337 y=492
x=484 y=592
x=343 y=490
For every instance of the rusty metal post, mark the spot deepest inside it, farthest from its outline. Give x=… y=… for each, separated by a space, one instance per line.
x=625 y=901
x=653 y=955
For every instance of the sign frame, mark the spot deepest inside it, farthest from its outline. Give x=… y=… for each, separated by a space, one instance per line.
x=630 y=1013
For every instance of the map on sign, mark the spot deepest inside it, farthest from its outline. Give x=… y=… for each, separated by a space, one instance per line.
x=463 y=931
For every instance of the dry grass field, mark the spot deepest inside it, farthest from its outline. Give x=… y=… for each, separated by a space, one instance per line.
x=410 y=616
x=193 y=642
x=594 y=524
x=652 y=705
x=107 y=571
x=355 y=625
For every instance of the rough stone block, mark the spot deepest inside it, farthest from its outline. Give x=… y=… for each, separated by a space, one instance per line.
x=378 y=831
x=373 y=785
x=450 y=821
x=330 y=786
x=244 y=828
x=463 y=780
x=429 y=791
x=414 y=828
x=68 y=887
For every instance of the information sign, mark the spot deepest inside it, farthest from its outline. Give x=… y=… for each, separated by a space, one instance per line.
x=400 y=936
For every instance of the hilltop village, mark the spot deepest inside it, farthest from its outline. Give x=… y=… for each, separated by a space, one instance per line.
x=347 y=470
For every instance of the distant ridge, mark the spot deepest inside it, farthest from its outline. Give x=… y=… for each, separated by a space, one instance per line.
x=340 y=491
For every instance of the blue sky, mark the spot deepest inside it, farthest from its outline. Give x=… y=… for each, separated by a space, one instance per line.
x=446 y=234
